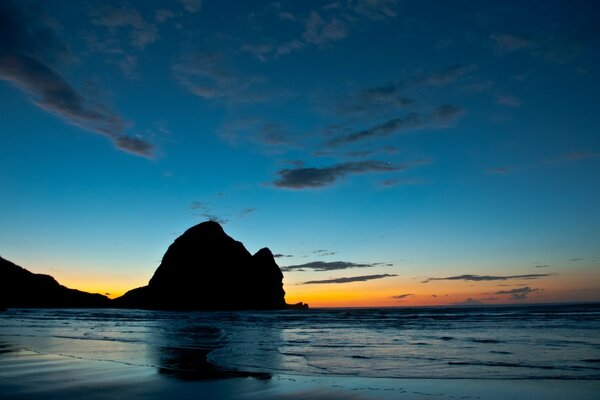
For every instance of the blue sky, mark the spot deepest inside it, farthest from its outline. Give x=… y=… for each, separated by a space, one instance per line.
x=414 y=139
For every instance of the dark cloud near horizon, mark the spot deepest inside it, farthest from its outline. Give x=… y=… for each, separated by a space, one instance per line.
x=326 y=266
x=29 y=52
x=314 y=177
x=402 y=296
x=468 y=302
x=362 y=278
x=519 y=293
x=478 y=278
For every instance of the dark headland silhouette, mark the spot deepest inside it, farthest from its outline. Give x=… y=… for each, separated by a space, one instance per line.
x=21 y=288
x=203 y=269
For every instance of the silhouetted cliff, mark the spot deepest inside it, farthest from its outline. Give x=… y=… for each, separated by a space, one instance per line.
x=205 y=269
x=21 y=288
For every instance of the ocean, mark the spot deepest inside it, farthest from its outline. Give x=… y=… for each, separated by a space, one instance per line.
x=558 y=342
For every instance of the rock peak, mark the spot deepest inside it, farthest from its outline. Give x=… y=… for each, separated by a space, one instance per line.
x=205 y=269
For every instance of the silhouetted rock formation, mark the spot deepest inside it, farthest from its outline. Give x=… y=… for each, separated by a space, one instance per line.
x=205 y=269
x=21 y=288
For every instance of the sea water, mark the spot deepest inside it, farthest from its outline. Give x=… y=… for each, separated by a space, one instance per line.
x=503 y=342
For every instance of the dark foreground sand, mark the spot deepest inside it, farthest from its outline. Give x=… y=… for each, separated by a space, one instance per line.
x=28 y=375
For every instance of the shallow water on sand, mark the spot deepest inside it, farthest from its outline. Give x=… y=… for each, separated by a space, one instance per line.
x=532 y=342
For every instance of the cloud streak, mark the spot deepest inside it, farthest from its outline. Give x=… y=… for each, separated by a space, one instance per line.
x=520 y=293
x=440 y=117
x=479 y=278
x=26 y=45
x=402 y=296
x=313 y=177
x=362 y=278
x=325 y=266
x=395 y=125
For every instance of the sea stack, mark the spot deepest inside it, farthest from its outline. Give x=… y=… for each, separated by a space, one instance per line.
x=205 y=269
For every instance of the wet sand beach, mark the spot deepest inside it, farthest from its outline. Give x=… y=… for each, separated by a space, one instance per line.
x=27 y=375
x=494 y=354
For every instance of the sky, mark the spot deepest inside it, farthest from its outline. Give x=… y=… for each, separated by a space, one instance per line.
x=389 y=153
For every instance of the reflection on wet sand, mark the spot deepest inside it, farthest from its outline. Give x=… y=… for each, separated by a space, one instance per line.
x=191 y=364
x=183 y=353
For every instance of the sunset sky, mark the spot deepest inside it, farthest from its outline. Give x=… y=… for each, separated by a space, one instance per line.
x=390 y=153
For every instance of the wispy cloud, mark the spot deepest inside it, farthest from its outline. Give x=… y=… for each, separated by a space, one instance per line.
x=207 y=75
x=393 y=96
x=389 y=183
x=192 y=6
x=320 y=27
x=326 y=266
x=142 y=32
x=498 y=170
x=402 y=296
x=395 y=125
x=313 y=177
x=443 y=77
x=573 y=156
x=28 y=41
x=270 y=137
x=506 y=42
x=375 y=10
x=446 y=114
x=520 y=293
x=275 y=134
x=349 y=279
x=203 y=210
x=324 y=252
x=279 y=255
x=508 y=101
x=377 y=99
x=478 y=278
x=163 y=14
x=206 y=210
x=319 y=31
x=440 y=117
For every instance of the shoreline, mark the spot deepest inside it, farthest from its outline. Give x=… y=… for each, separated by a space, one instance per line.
x=28 y=375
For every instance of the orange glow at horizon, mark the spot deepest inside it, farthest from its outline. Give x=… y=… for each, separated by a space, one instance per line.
x=112 y=288
x=577 y=287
